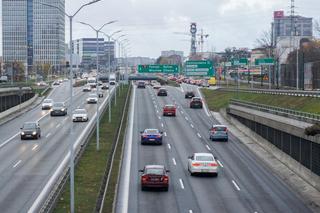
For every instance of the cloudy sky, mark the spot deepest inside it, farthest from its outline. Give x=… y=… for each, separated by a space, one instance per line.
x=150 y=25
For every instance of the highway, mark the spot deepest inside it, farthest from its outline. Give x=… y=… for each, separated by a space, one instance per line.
x=244 y=183
x=27 y=165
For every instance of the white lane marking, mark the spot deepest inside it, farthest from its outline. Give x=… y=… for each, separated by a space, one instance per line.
x=165 y=134
x=48 y=135
x=15 y=165
x=235 y=184
x=199 y=135
x=181 y=183
x=182 y=112
x=34 y=147
x=205 y=105
x=186 y=118
x=8 y=140
x=58 y=126
x=169 y=146
x=191 y=125
x=208 y=148
x=220 y=163
x=174 y=161
x=182 y=89
x=65 y=119
x=190 y=211
x=159 y=118
x=157 y=111
x=162 y=125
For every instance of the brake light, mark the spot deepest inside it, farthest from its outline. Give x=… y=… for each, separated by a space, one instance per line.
x=196 y=164
x=225 y=129
x=212 y=164
x=165 y=179
x=158 y=136
x=213 y=130
x=144 y=178
x=144 y=136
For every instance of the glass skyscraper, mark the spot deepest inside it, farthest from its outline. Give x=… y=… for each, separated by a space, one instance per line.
x=33 y=34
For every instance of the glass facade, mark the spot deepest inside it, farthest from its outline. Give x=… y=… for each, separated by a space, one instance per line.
x=33 y=33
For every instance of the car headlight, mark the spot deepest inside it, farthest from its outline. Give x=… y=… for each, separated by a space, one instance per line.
x=34 y=132
x=62 y=110
x=22 y=133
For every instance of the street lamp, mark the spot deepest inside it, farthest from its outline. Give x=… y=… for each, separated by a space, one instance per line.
x=97 y=64
x=71 y=97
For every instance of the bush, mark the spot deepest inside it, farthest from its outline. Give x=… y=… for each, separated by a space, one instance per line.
x=312 y=130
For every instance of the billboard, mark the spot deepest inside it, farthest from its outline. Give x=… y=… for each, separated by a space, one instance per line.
x=278 y=14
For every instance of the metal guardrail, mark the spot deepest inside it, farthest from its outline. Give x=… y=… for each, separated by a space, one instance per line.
x=302 y=116
x=298 y=93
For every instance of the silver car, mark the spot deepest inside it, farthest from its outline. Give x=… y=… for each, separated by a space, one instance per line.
x=203 y=163
x=92 y=99
x=80 y=115
x=218 y=132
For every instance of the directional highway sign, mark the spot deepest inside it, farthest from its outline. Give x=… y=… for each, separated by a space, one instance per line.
x=240 y=62
x=199 y=68
x=264 y=61
x=158 y=68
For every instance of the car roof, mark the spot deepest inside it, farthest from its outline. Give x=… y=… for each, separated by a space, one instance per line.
x=31 y=122
x=154 y=166
x=169 y=105
x=203 y=154
x=220 y=125
x=151 y=129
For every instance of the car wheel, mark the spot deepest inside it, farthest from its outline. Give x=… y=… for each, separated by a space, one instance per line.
x=143 y=188
x=22 y=138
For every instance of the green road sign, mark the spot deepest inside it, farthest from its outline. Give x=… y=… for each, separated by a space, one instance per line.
x=227 y=64
x=199 y=68
x=240 y=62
x=264 y=61
x=158 y=68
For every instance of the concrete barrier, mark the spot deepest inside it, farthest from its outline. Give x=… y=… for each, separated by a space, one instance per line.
x=18 y=107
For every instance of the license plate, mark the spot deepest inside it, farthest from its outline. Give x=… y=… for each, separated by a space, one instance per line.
x=204 y=170
x=152 y=139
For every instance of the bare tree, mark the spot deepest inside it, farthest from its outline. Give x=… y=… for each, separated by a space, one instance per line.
x=265 y=40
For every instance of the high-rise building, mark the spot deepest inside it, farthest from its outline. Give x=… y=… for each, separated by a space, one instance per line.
x=33 y=33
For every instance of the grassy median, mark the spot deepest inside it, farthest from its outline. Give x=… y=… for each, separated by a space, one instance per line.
x=91 y=167
x=217 y=99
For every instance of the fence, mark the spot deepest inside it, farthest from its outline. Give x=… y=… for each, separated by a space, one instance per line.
x=14 y=97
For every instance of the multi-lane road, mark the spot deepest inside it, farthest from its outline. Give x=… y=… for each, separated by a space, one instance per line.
x=26 y=166
x=244 y=183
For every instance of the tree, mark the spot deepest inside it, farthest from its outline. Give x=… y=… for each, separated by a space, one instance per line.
x=265 y=42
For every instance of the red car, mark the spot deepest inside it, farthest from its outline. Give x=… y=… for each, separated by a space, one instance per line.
x=169 y=110
x=154 y=176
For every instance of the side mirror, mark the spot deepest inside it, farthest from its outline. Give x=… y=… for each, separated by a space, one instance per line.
x=167 y=170
x=190 y=157
x=141 y=132
x=140 y=170
x=161 y=132
x=21 y=128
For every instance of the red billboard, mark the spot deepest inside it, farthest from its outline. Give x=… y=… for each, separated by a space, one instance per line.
x=278 y=14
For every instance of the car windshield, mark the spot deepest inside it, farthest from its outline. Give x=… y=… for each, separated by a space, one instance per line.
x=154 y=171
x=151 y=131
x=58 y=105
x=169 y=106
x=47 y=101
x=219 y=128
x=204 y=158
x=80 y=111
x=196 y=99
x=92 y=95
x=29 y=125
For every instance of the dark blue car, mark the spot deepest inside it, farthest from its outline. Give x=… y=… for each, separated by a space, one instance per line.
x=151 y=136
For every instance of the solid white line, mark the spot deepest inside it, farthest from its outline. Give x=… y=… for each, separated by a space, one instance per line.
x=235 y=184
x=34 y=147
x=8 y=140
x=169 y=146
x=208 y=148
x=48 y=135
x=162 y=125
x=15 y=165
x=181 y=183
x=199 y=135
x=174 y=161
x=165 y=134
x=220 y=163
x=205 y=106
x=191 y=125
x=58 y=126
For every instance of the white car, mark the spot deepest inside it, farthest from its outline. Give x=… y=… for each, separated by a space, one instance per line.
x=92 y=99
x=47 y=104
x=203 y=163
x=86 y=88
x=80 y=115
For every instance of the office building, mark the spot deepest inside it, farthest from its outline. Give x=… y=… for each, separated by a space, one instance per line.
x=33 y=34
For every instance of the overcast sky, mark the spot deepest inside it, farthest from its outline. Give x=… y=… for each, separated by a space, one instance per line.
x=150 y=24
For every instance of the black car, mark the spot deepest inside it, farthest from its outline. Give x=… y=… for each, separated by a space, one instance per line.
x=196 y=102
x=30 y=130
x=58 y=109
x=162 y=92
x=105 y=86
x=141 y=84
x=189 y=94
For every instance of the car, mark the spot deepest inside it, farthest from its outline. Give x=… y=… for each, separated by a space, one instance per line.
x=154 y=176
x=58 y=109
x=156 y=86
x=92 y=99
x=42 y=84
x=141 y=84
x=218 y=132
x=100 y=94
x=30 y=130
x=105 y=86
x=47 y=104
x=80 y=115
x=189 y=94
x=203 y=163
x=162 y=92
x=205 y=84
x=196 y=102
x=60 y=81
x=86 y=88
x=56 y=83
x=169 y=110
x=151 y=136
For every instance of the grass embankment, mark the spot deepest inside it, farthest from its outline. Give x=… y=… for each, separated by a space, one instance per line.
x=90 y=169
x=217 y=99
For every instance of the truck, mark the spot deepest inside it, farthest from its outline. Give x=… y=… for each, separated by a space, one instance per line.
x=3 y=79
x=92 y=82
x=112 y=79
